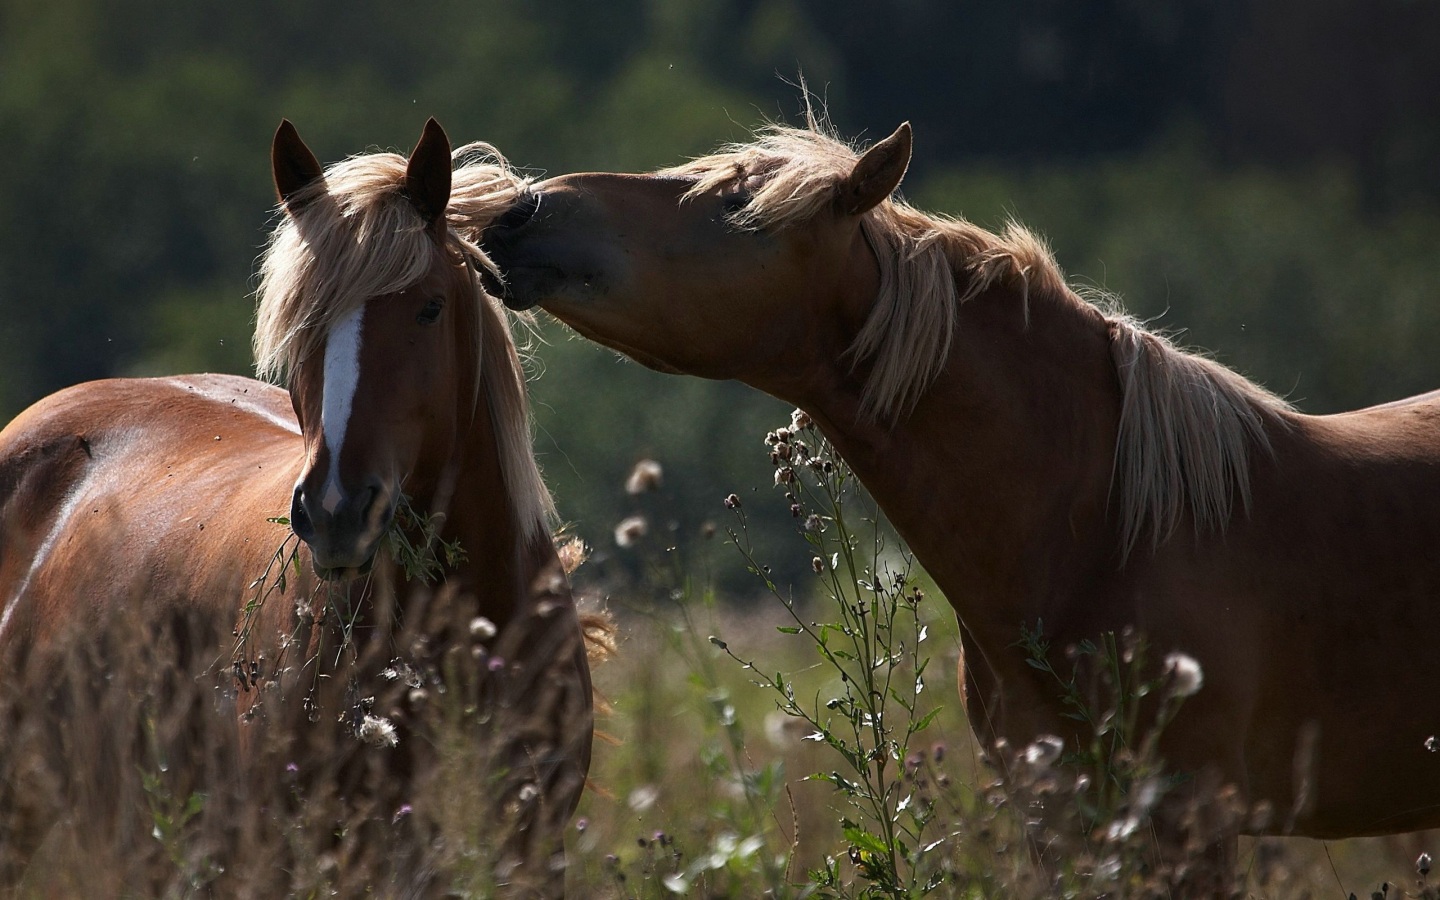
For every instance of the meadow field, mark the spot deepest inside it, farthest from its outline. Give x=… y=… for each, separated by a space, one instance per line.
x=801 y=740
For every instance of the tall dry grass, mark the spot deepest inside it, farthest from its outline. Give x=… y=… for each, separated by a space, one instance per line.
x=740 y=757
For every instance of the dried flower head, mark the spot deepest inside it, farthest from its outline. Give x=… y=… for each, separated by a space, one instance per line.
x=800 y=420
x=377 y=731
x=732 y=501
x=572 y=553
x=1044 y=751
x=643 y=797
x=646 y=476
x=1185 y=673
x=631 y=530
x=482 y=628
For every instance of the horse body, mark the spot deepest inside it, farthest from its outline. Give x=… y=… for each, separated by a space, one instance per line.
x=163 y=500
x=1047 y=460
x=83 y=534
x=1311 y=614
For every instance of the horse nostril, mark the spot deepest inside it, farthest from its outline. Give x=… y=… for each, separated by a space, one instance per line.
x=371 y=508
x=300 y=519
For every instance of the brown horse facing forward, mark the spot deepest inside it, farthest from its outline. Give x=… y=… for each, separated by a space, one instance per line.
x=1046 y=459
x=407 y=395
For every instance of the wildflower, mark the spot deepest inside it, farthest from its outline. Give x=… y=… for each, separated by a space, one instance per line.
x=482 y=628
x=800 y=420
x=291 y=768
x=818 y=565
x=1422 y=864
x=732 y=502
x=378 y=731
x=784 y=475
x=631 y=530
x=1186 y=673
x=404 y=810
x=814 y=524
x=528 y=792
x=1431 y=745
x=646 y=476
x=795 y=510
x=937 y=752
x=581 y=824
x=495 y=664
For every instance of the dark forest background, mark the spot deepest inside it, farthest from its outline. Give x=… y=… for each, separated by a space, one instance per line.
x=1263 y=174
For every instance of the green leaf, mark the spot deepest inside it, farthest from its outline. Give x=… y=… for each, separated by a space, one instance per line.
x=866 y=841
x=788 y=629
x=925 y=722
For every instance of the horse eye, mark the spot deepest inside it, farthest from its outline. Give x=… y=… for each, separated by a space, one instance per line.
x=431 y=313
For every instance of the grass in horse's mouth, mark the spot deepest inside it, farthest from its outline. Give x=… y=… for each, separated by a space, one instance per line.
x=345 y=574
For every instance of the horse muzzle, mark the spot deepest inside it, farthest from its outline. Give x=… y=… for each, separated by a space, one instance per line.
x=344 y=536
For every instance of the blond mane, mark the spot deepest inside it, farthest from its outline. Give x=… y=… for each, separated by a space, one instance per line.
x=356 y=236
x=1187 y=423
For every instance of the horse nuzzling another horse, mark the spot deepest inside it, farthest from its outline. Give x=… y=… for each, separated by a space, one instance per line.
x=164 y=500
x=1047 y=458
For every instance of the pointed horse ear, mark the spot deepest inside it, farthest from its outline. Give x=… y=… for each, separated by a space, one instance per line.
x=427 y=176
x=876 y=174
x=294 y=166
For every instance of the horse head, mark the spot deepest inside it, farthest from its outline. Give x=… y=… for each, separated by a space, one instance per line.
x=685 y=269
x=383 y=349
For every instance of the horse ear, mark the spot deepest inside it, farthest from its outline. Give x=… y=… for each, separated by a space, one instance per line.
x=877 y=173
x=294 y=166
x=427 y=176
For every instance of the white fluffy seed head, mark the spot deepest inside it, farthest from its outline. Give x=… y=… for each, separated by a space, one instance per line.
x=1187 y=677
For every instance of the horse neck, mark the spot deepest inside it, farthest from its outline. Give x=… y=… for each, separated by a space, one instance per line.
x=999 y=479
x=503 y=555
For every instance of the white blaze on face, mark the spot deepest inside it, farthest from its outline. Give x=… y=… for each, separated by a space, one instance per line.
x=342 y=375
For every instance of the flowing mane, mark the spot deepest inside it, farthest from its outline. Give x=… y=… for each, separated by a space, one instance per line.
x=353 y=236
x=1187 y=423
